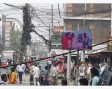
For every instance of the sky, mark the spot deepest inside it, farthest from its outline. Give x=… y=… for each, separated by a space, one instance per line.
x=43 y=10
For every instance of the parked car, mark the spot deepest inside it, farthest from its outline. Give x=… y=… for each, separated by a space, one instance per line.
x=3 y=64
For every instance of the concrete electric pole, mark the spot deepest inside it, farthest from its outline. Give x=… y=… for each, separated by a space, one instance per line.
x=26 y=37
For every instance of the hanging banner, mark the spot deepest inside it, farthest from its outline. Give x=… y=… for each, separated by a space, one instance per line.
x=79 y=40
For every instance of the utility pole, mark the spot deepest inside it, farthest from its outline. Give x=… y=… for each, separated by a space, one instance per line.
x=26 y=37
x=77 y=50
x=49 y=43
x=50 y=30
x=110 y=48
x=52 y=16
x=83 y=51
x=111 y=20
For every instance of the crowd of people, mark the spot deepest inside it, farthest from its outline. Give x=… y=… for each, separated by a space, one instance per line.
x=88 y=74
x=81 y=74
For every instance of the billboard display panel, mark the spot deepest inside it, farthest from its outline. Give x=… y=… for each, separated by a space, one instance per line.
x=79 y=40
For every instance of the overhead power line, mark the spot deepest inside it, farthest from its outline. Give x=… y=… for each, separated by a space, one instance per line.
x=40 y=19
x=46 y=41
x=54 y=56
x=18 y=7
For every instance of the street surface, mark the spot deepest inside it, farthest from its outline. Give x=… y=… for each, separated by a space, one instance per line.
x=26 y=82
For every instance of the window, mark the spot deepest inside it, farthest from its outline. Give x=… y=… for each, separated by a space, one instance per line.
x=56 y=46
x=7 y=44
x=7 y=37
x=69 y=27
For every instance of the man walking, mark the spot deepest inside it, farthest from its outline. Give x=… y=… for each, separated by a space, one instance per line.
x=31 y=74
x=36 y=74
x=54 y=75
x=46 y=76
x=82 y=71
x=20 y=70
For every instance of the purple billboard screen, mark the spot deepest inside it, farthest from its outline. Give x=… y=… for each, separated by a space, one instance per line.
x=80 y=40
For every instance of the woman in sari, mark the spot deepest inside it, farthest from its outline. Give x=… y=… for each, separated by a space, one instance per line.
x=12 y=76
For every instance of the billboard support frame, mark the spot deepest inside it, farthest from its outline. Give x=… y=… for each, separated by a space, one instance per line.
x=82 y=55
x=69 y=65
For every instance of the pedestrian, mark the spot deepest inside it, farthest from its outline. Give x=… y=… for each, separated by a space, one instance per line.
x=64 y=82
x=65 y=69
x=41 y=76
x=49 y=63
x=46 y=76
x=98 y=68
x=50 y=81
x=94 y=76
x=88 y=72
x=82 y=71
x=74 y=72
x=7 y=62
x=24 y=68
x=77 y=75
x=54 y=75
x=4 y=79
x=41 y=81
x=27 y=69
x=84 y=81
x=36 y=74
x=102 y=68
x=31 y=74
x=12 y=76
x=20 y=70
x=72 y=69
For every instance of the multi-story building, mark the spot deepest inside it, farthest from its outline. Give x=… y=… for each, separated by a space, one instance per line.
x=10 y=26
x=93 y=17
x=8 y=29
x=97 y=19
x=56 y=37
x=2 y=32
x=56 y=45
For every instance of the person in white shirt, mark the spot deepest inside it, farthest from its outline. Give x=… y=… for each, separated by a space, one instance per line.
x=82 y=71
x=20 y=70
x=54 y=74
x=31 y=74
x=88 y=75
x=50 y=63
x=23 y=67
x=36 y=74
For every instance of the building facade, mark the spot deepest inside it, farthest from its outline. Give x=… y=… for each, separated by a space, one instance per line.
x=8 y=29
x=2 y=32
x=97 y=19
x=56 y=37
x=93 y=17
x=11 y=25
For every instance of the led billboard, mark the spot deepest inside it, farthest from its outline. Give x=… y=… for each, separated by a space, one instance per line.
x=79 y=40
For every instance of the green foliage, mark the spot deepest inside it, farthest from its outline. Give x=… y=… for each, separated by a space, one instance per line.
x=16 y=40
